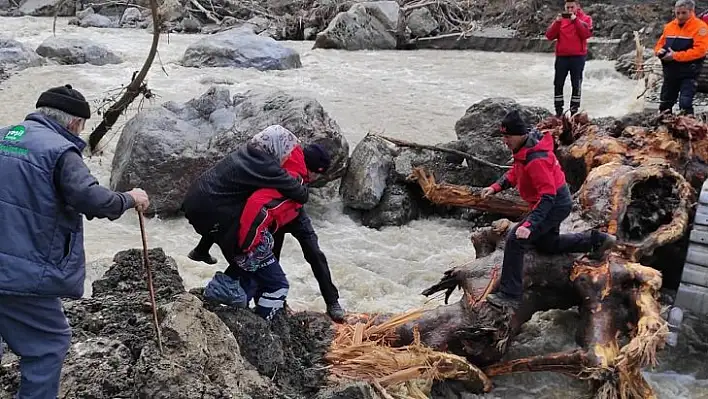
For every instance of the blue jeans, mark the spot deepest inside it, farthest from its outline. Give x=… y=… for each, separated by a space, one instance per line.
x=301 y=228
x=545 y=238
x=37 y=331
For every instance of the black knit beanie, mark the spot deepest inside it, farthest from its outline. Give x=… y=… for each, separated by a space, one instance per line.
x=513 y=124
x=65 y=98
x=317 y=158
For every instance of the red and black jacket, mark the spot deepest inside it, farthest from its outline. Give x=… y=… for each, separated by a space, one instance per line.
x=267 y=208
x=571 y=35
x=537 y=174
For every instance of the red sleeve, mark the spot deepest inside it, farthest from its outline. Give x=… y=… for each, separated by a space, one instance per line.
x=553 y=30
x=584 y=26
x=511 y=176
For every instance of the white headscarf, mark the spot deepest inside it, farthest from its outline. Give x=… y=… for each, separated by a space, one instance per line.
x=276 y=141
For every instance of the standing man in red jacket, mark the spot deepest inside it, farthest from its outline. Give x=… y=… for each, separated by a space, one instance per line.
x=538 y=176
x=571 y=30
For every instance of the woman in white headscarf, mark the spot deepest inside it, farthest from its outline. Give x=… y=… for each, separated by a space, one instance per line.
x=276 y=141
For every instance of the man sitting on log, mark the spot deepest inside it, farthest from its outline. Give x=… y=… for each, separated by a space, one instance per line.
x=682 y=49
x=538 y=176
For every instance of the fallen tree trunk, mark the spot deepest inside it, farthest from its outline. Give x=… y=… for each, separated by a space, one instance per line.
x=469 y=197
x=616 y=298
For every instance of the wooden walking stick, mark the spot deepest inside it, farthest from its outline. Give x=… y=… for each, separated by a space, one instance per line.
x=151 y=289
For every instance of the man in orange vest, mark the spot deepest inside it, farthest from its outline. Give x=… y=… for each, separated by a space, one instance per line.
x=682 y=49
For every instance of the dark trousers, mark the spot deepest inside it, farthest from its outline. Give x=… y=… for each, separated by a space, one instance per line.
x=267 y=286
x=575 y=65
x=545 y=238
x=301 y=228
x=38 y=332
x=681 y=88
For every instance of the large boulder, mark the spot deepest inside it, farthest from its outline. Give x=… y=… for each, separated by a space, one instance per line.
x=163 y=149
x=367 y=173
x=15 y=56
x=89 y=19
x=421 y=22
x=47 y=8
x=365 y=26
x=478 y=132
x=240 y=48
x=76 y=51
x=377 y=188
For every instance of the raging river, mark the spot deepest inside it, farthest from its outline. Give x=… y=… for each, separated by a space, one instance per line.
x=416 y=96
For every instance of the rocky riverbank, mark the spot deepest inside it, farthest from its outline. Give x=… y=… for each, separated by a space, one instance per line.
x=380 y=24
x=218 y=352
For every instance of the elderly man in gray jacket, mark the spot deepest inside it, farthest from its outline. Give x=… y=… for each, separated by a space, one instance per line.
x=45 y=190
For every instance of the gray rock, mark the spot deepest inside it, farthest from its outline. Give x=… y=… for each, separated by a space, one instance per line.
x=368 y=25
x=164 y=148
x=96 y=21
x=240 y=48
x=357 y=390
x=47 y=8
x=85 y=12
x=198 y=340
x=171 y=10
x=478 y=130
x=76 y=51
x=421 y=22
x=191 y=25
x=131 y=17
x=96 y=359
x=625 y=64
x=15 y=56
x=397 y=207
x=367 y=173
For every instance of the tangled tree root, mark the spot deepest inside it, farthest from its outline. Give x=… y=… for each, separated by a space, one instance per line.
x=363 y=351
x=633 y=185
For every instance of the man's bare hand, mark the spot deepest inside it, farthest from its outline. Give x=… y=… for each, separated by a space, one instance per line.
x=142 y=202
x=559 y=18
x=523 y=233
x=573 y=16
x=486 y=192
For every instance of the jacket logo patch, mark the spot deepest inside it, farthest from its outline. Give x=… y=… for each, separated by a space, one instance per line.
x=15 y=134
x=703 y=31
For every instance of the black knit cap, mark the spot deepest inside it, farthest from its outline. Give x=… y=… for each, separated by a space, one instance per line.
x=513 y=124
x=317 y=159
x=67 y=99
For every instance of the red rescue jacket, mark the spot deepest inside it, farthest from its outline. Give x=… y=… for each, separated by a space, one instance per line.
x=536 y=170
x=267 y=208
x=572 y=36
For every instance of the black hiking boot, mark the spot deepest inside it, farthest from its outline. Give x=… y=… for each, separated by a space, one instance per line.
x=602 y=244
x=336 y=312
x=501 y=300
x=201 y=257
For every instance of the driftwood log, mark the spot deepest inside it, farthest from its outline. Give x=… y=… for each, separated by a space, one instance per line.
x=635 y=184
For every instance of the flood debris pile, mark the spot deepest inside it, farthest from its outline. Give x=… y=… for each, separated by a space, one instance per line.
x=634 y=182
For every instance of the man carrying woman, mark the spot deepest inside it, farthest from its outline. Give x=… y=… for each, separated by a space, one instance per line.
x=239 y=204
